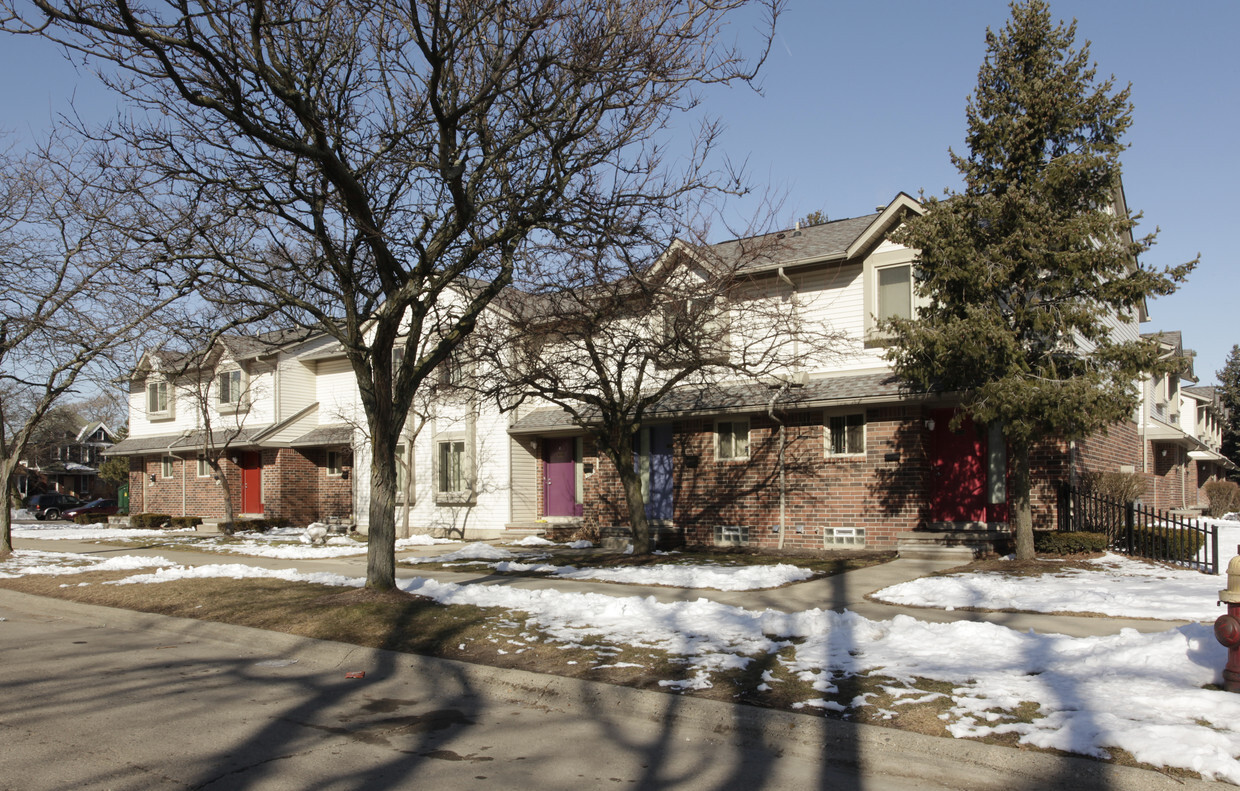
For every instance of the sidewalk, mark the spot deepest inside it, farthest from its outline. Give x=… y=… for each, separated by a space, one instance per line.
x=838 y=592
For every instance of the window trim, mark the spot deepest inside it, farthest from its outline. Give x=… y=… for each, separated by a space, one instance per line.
x=241 y=401
x=336 y=471
x=878 y=261
x=204 y=469
x=159 y=385
x=732 y=433
x=167 y=468
x=845 y=413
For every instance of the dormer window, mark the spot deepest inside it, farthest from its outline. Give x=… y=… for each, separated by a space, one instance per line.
x=158 y=405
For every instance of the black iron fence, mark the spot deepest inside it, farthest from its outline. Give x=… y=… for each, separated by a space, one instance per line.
x=1133 y=529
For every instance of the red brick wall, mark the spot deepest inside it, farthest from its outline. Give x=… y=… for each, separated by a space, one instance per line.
x=184 y=494
x=296 y=487
x=881 y=495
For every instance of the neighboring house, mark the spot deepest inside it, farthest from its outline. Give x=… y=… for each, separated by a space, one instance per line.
x=71 y=466
x=1180 y=433
x=864 y=460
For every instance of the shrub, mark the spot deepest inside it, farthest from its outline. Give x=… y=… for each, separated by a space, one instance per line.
x=148 y=521
x=185 y=521
x=1224 y=497
x=1124 y=487
x=257 y=525
x=1068 y=543
x=88 y=519
x=1167 y=544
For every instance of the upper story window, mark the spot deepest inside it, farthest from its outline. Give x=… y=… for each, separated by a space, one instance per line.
x=732 y=440
x=158 y=403
x=895 y=292
x=230 y=390
x=888 y=282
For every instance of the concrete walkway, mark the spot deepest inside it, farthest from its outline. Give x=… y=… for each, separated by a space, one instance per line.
x=838 y=592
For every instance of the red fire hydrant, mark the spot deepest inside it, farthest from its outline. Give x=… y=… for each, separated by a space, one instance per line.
x=1227 y=627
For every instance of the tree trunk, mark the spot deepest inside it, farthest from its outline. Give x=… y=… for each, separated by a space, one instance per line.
x=7 y=466
x=1021 y=505
x=381 y=534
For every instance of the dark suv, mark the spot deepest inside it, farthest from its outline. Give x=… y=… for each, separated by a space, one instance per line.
x=51 y=506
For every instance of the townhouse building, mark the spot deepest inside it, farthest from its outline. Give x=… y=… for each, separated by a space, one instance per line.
x=835 y=453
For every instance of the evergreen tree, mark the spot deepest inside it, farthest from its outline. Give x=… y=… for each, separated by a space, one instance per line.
x=1018 y=275
x=1229 y=391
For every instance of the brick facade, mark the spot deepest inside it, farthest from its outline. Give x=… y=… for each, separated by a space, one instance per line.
x=296 y=487
x=883 y=491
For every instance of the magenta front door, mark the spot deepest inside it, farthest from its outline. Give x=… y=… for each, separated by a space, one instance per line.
x=560 y=477
x=251 y=483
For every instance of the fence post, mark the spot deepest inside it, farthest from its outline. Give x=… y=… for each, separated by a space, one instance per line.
x=1064 y=518
x=1214 y=549
x=1130 y=517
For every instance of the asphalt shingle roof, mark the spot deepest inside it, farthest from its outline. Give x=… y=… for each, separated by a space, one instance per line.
x=744 y=398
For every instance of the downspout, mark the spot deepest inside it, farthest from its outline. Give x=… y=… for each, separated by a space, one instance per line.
x=783 y=497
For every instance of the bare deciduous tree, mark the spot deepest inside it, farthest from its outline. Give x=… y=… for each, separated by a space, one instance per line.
x=80 y=286
x=357 y=161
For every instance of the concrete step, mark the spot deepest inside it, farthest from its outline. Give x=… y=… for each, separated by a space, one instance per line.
x=962 y=545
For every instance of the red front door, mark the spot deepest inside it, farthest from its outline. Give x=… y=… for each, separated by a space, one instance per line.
x=251 y=483
x=957 y=487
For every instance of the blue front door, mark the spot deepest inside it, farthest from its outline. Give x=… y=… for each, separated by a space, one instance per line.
x=653 y=461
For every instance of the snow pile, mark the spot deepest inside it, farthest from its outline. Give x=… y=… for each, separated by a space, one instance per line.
x=24 y=562
x=1116 y=586
x=475 y=551
x=422 y=540
x=582 y=544
x=534 y=541
x=238 y=571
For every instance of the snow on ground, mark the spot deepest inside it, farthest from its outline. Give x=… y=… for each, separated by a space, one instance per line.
x=67 y=531
x=701 y=575
x=1228 y=538
x=1137 y=692
x=1114 y=585
x=474 y=551
x=36 y=561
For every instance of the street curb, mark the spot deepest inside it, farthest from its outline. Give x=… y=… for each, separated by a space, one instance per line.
x=873 y=750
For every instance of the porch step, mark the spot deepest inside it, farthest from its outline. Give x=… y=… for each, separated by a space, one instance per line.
x=962 y=545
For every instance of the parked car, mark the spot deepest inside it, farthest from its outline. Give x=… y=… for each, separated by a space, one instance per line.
x=51 y=506
x=100 y=507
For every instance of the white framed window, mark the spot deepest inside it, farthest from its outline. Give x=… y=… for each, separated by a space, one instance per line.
x=229 y=389
x=844 y=433
x=888 y=280
x=732 y=440
x=204 y=469
x=158 y=404
x=895 y=292
x=335 y=464
x=451 y=463
x=167 y=467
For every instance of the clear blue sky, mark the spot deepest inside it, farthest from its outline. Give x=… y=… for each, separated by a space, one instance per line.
x=862 y=100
